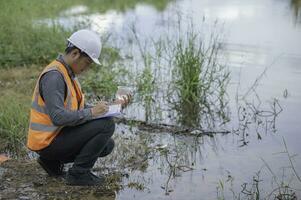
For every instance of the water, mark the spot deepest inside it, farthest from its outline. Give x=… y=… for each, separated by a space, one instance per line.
x=258 y=35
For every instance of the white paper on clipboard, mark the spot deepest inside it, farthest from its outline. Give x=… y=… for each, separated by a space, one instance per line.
x=114 y=110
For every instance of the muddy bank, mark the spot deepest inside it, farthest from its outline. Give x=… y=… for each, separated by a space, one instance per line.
x=25 y=179
x=136 y=145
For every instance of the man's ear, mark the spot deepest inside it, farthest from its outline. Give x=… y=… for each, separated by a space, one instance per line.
x=75 y=54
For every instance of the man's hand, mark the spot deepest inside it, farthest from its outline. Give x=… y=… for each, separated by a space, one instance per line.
x=101 y=108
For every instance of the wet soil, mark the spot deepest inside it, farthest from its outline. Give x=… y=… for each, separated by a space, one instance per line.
x=25 y=179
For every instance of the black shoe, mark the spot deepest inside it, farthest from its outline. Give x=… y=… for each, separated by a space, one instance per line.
x=85 y=178
x=53 y=168
x=100 y=178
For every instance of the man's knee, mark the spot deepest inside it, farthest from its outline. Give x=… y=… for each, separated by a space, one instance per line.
x=110 y=125
x=108 y=149
x=105 y=126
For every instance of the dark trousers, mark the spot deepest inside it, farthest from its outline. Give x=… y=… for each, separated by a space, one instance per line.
x=82 y=144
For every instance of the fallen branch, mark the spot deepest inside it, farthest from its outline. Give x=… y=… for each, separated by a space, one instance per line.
x=179 y=130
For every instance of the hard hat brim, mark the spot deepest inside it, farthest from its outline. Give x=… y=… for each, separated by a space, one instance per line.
x=96 y=61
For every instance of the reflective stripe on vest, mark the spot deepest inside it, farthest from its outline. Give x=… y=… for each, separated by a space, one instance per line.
x=41 y=129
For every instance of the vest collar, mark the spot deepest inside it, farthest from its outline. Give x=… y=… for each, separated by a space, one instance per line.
x=61 y=60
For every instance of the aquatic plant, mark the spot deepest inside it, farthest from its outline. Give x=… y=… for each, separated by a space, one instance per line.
x=199 y=80
x=145 y=88
x=182 y=73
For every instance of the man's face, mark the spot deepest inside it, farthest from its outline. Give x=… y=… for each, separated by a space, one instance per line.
x=80 y=63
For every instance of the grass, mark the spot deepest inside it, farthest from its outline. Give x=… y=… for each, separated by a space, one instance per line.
x=198 y=84
x=24 y=41
x=16 y=90
x=146 y=70
x=13 y=122
x=200 y=81
x=197 y=81
x=188 y=66
x=101 y=81
x=145 y=86
x=17 y=85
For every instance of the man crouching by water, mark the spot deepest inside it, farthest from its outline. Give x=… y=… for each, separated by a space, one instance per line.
x=62 y=129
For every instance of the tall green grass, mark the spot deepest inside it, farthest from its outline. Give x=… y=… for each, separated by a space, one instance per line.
x=17 y=85
x=145 y=88
x=14 y=118
x=199 y=80
x=188 y=66
x=22 y=41
x=25 y=40
x=194 y=79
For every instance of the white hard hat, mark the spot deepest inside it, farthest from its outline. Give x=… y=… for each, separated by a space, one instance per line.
x=88 y=42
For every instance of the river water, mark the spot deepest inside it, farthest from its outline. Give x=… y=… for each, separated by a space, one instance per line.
x=258 y=35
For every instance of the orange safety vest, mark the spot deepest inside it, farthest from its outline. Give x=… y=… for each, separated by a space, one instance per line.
x=41 y=129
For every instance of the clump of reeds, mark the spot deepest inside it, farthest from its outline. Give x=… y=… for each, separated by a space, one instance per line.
x=186 y=69
x=199 y=80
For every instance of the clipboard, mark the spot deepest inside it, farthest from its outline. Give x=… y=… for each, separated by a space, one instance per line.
x=114 y=110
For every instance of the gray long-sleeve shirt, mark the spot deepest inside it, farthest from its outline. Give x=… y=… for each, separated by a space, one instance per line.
x=53 y=90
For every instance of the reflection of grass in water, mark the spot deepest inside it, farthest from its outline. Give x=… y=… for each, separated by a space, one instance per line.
x=131 y=152
x=253 y=116
x=255 y=189
x=296 y=7
x=122 y=5
x=282 y=188
x=136 y=151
